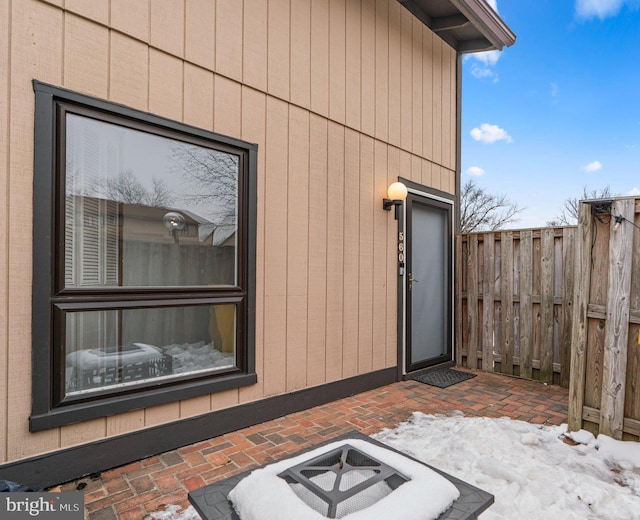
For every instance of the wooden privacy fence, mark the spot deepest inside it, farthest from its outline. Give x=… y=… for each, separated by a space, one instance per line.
x=604 y=394
x=514 y=291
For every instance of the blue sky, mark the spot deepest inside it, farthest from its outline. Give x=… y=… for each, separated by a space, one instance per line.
x=560 y=109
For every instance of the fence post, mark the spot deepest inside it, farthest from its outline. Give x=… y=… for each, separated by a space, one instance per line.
x=614 y=370
x=582 y=282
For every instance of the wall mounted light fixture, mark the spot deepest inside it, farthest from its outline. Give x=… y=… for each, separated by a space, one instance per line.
x=397 y=193
x=174 y=222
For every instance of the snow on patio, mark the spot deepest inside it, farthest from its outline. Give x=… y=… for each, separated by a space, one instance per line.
x=264 y=496
x=531 y=470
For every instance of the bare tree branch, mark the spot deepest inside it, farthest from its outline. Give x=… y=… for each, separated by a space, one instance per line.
x=483 y=211
x=213 y=176
x=571 y=208
x=128 y=189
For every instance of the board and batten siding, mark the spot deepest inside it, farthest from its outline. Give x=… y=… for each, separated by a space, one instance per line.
x=341 y=96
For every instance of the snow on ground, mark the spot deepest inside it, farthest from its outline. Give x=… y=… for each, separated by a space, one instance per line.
x=533 y=473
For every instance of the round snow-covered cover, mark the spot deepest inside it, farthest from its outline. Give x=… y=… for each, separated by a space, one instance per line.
x=263 y=495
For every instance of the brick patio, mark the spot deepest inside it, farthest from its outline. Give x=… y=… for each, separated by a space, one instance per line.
x=135 y=490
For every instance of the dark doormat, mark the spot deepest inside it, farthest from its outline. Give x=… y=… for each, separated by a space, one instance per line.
x=443 y=377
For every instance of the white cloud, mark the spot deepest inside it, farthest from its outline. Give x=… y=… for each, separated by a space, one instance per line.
x=555 y=92
x=490 y=134
x=483 y=63
x=593 y=166
x=634 y=191
x=475 y=171
x=602 y=8
x=483 y=72
x=489 y=58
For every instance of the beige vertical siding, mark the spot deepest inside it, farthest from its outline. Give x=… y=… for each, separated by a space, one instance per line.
x=167 y=25
x=279 y=55
x=342 y=97
x=275 y=245
x=367 y=68
x=166 y=84
x=391 y=354
x=297 y=248
x=254 y=44
x=351 y=263
x=317 y=280
x=97 y=10
x=382 y=70
x=200 y=30
x=320 y=57
x=416 y=90
x=365 y=271
x=395 y=31
x=438 y=97
x=406 y=79
x=5 y=208
x=127 y=55
x=198 y=96
x=335 y=251
x=381 y=243
x=86 y=47
x=132 y=18
x=36 y=45
x=229 y=18
x=353 y=92
x=337 y=60
x=254 y=129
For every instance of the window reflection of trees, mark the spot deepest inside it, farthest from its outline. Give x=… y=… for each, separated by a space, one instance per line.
x=212 y=176
x=128 y=189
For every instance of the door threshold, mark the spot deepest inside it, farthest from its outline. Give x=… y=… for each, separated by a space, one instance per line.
x=446 y=364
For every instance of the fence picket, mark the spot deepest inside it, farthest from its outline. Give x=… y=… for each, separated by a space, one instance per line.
x=488 y=306
x=526 y=305
x=568 y=254
x=514 y=297
x=546 y=307
x=550 y=312
x=506 y=298
x=472 y=303
x=459 y=284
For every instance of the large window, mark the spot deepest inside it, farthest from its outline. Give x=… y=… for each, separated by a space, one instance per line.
x=144 y=260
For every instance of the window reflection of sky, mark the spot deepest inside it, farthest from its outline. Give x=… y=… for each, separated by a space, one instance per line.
x=147 y=156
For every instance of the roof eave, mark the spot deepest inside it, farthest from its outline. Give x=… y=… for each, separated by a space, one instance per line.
x=488 y=22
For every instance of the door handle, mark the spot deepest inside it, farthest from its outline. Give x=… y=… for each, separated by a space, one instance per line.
x=412 y=279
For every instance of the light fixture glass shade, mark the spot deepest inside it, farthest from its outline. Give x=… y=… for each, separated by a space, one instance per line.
x=173 y=221
x=397 y=191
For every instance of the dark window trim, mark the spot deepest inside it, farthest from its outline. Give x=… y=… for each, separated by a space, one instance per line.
x=45 y=415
